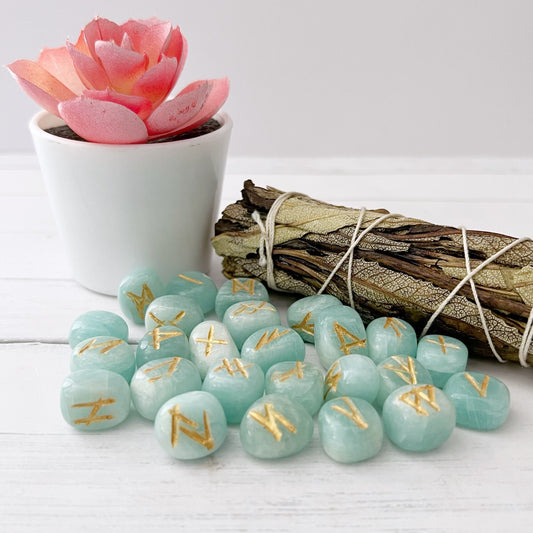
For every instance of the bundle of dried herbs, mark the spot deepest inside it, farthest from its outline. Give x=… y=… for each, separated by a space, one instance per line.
x=403 y=267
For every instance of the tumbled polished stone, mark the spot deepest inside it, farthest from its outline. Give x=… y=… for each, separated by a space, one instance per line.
x=239 y=290
x=300 y=314
x=418 y=418
x=350 y=429
x=105 y=352
x=210 y=342
x=173 y=310
x=388 y=336
x=195 y=285
x=161 y=342
x=97 y=323
x=352 y=375
x=191 y=425
x=303 y=383
x=443 y=356
x=272 y=345
x=274 y=427
x=339 y=331
x=481 y=401
x=236 y=384
x=94 y=399
x=161 y=379
x=137 y=290
x=397 y=371
x=244 y=318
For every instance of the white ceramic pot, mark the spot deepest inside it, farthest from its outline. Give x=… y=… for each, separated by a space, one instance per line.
x=120 y=207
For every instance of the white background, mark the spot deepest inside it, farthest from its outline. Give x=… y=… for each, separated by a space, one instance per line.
x=327 y=79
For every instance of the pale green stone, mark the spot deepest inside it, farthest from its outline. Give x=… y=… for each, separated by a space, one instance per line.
x=191 y=425
x=161 y=379
x=236 y=384
x=94 y=399
x=244 y=318
x=339 y=331
x=350 y=429
x=95 y=324
x=195 y=285
x=161 y=342
x=481 y=401
x=274 y=427
x=300 y=314
x=238 y=290
x=105 y=352
x=418 y=418
x=210 y=342
x=352 y=375
x=388 y=336
x=397 y=371
x=137 y=290
x=272 y=345
x=303 y=383
x=173 y=310
x=443 y=356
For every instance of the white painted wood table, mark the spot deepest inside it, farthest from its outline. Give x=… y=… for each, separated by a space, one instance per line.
x=55 y=479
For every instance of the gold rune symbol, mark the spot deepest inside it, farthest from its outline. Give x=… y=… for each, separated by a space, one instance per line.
x=205 y=440
x=443 y=344
x=305 y=325
x=343 y=334
x=353 y=414
x=252 y=307
x=415 y=396
x=233 y=367
x=172 y=365
x=159 y=336
x=481 y=389
x=248 y=286
x=173 y=322
x=268 y=337
x=332 y=378
x=297 y=371
x=405 y=369
x=268 y=421
x=105 y=346
x=394 y=324
x=211 y=340
x=142 y=300
x=190 y=280
x=95 y=408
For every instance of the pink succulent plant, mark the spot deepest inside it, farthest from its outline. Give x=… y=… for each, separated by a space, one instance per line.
x=112 y=85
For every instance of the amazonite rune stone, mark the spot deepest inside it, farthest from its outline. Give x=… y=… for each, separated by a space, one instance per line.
x=272 y=345
x=191 y=425
x=161 y=342
x=303 y=383
x=137 y=290
x=239 y=290
x=481 y=401
x=210 y=342
x=350 y=429
x=236 y=384
x=244 y=318
x=339 y=331
x=161 y=379
x=418 y=418
x=388 y=336
x=94 y=399
x=173 y=310
x=195 y=285
x=443 y=356
x=105 y=352
x=300 y=314
x=274 y=427
x=352 y=375
x=397 y=371
x=95 y=324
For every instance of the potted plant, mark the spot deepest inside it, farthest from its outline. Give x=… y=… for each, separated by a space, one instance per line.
x=133 y=173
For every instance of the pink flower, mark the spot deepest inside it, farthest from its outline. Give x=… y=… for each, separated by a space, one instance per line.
x=112 y=85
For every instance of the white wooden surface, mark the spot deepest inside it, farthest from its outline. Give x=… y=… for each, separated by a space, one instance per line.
x=54 y=479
